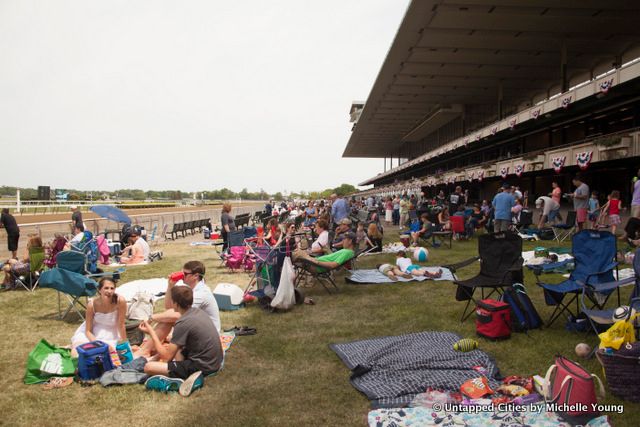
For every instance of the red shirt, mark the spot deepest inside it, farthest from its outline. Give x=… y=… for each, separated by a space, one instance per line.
x=614 y=207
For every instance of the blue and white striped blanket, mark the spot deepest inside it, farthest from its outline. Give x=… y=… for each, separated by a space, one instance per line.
x=373 y=276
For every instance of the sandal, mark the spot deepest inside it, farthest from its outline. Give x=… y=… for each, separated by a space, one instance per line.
x=309 y=301
x=245 y=330
x=57 y=382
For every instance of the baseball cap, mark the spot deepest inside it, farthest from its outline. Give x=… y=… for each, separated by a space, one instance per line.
x=345 y=221
x=539 y=202
x=135 y=231
x=73 y=207
x=351 y=236
x=506 y=185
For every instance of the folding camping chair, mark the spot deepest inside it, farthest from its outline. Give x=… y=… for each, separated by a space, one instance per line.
x=500 y=256
x=594 y=254
x=458 y=227
x=36 y=265
x=524 y=221
x=562 y=231
x=72 y=279
x=307 y=268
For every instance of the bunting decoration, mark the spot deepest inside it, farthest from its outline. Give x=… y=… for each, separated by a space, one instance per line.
x=535 y=114
x=584 y=159
x=494 y=130
x=466 y=141
x=518 y=169
x=606 y=85
x=512 y=123
x=566 y=101
x=480 y=175
x=478 y=136
x=471 y=176
x=504 y=171
x=558 y=163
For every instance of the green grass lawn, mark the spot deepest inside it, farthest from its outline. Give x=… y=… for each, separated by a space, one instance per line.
x=284 y=375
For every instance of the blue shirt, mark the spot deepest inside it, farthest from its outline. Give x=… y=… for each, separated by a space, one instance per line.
x=502 y=203
x=339 y=210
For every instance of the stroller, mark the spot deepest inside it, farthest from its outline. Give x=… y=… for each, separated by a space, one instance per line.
x=236 y=257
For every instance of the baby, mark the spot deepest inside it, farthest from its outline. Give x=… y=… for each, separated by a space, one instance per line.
x=392 y=271
x=406 y=266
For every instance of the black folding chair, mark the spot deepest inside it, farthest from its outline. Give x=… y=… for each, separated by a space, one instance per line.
x=500 y=256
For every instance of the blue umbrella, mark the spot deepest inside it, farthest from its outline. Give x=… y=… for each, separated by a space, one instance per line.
x=112 y=213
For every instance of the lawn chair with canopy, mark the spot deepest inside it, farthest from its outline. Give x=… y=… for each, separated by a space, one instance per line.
x=500 y=256
x=594 y=254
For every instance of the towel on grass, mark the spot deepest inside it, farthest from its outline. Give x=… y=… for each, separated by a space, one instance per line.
x=373 y=276
x=391 y=371
x=155 y=287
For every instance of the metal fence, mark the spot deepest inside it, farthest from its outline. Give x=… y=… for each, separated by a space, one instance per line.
x=150 y=222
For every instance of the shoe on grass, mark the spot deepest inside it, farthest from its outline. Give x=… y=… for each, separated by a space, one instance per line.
x=163 y=383
x=191 y=384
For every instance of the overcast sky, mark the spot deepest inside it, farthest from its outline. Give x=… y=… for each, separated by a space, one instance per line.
x=188 y=95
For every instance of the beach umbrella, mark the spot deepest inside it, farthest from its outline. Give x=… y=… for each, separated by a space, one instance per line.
x=111 y=212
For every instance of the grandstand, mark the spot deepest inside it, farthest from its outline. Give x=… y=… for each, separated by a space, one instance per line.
x=475 y=92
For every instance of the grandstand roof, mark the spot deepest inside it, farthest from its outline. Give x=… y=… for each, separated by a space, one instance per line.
x=450 y=54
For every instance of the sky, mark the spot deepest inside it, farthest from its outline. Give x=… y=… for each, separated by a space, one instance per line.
x=189 y=95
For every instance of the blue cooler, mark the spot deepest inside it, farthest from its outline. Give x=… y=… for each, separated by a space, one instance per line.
x=93 y=360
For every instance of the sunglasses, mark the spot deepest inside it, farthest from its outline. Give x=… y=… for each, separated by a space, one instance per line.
x=187 y=273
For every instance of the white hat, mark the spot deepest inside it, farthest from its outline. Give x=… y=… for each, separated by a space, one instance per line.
x=539 y=201
x=73 y=207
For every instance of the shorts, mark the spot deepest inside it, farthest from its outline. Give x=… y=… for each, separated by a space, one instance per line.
x=12 y=242
x=184 y=368
x=614 y=219
x=386 y=269
x=581 y=215
x=413 y=267
x=593 y=216
x=553 y=214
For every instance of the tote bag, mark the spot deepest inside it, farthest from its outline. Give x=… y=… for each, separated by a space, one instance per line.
x=285 y=295
x=46 y=360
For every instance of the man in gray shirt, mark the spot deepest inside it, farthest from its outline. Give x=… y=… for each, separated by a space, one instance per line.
x=580 y=200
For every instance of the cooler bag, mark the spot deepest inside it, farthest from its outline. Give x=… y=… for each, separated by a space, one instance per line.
x=93 y=360
x=571 y=387
x=493 y=319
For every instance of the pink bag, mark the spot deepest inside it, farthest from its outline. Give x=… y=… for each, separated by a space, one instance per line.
x=572 y=388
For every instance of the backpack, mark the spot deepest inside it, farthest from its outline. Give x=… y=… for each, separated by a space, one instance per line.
x=141 y=306
x=546 y=233
x=523 y=313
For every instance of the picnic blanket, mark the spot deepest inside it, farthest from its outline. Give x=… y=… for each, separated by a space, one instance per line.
x=226 y=339
x=530 y=258
x=373 y=276
x=156 y=287
x=422 y=416
x=391 y=371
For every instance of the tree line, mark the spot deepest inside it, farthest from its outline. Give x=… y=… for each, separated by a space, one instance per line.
x=222 y=194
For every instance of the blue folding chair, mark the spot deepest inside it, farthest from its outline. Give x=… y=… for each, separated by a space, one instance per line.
x=562 y=231
x=601 y=318
x=72 y=279
x=594 y=254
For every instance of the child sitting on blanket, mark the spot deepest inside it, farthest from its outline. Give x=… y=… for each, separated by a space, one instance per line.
x=406 y=266
x=392 y=271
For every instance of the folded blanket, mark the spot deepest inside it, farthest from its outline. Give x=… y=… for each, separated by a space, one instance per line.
x=373 y=276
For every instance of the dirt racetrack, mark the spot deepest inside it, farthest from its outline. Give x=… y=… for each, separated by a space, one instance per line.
x=152 y=219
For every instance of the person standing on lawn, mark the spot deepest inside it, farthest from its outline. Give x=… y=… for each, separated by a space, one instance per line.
x=9 y=223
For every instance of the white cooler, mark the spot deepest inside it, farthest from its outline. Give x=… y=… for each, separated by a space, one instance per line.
x=228 y=296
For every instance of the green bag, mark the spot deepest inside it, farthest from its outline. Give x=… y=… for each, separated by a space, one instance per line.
x=46 y=360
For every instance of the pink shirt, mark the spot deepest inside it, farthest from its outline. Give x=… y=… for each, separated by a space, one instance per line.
x=556 y=194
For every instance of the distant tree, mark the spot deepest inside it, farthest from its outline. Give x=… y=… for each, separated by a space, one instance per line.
x=345 y=189
x=278 y=196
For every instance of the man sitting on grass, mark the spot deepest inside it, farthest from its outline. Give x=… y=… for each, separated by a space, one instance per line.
x=194 y=350
x=202 y=298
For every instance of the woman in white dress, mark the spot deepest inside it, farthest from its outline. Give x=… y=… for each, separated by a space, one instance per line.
x=105 y=318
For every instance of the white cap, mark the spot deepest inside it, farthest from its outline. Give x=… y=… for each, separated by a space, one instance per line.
x=73 y=207
x=539 y=201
